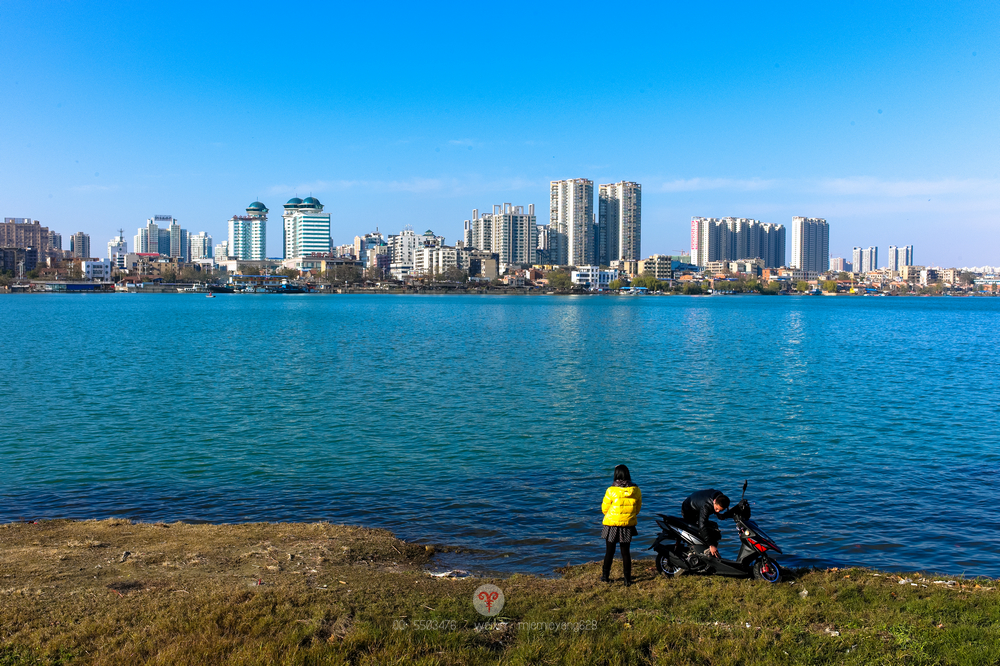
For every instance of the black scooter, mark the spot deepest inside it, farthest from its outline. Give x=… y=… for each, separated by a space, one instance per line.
x=679 y=549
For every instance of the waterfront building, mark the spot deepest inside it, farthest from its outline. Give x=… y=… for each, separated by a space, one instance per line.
x=401 y=248
x=840 y=265
x=118 y=249
x=24 y=232
x=571 y=222
x=734 y=238
x=55 y=241
x=178 y=241
x=248 y=234
x=810 y=244
x=199 y=247
x=99 y=269
x=306 y=228
x=659 y=266
x=865 y=260
x=509 y=232
x=593 y=277
x=899 y=257
x=619 y=222
x=431 y=259
x=18 y=260
x=364 y=243
x=79 y=245
x=154 y=238
x=221 y=251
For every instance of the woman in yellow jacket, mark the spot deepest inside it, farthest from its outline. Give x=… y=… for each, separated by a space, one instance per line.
x=620 y=507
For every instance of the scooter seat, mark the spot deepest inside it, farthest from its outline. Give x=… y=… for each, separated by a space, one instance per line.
x=677 y=523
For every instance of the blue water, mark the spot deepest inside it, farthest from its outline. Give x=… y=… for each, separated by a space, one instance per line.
x=867 y=427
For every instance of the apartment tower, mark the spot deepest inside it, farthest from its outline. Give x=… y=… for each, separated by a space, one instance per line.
x=306 y=228
x=571 y=219
x=810 y=244
x=619 y=225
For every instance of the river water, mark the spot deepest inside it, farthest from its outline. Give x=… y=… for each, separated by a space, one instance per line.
x=868 y=428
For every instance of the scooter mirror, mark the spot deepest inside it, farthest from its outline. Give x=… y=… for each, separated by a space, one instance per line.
x=744 y=488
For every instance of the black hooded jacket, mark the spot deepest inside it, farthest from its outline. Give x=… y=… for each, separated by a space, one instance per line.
x=698 y=508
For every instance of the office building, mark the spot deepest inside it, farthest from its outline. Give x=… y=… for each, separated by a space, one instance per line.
x=24 y=232
x=509 y=232
x=306 y=228
x=79 y=245
x=248 y=234
x=199 y=246
x=734 y=238
x=899 y=257
x=865 y=260
x=810 y=244
x=619 y=222
x=571 y=220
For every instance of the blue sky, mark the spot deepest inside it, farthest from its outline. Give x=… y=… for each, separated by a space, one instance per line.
x=884 y=118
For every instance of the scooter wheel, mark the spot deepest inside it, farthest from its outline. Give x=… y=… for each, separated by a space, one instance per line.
x=766 y=570
x=664 y=567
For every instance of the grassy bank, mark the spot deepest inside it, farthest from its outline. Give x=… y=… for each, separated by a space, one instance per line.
x=115 y=592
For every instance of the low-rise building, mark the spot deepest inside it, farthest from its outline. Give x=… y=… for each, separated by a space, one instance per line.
x=593 y=278
x=660 y=266
x=99 y=269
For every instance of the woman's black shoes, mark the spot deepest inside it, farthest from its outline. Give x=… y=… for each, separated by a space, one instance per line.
x=628 y=582
x=605 y=579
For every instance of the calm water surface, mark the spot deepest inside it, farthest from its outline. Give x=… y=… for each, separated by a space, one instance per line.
x=867 y=427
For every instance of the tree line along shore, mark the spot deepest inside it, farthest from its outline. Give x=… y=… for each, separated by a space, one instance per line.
x=119 y=592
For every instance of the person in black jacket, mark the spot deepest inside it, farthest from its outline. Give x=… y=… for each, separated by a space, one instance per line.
x=699 y=507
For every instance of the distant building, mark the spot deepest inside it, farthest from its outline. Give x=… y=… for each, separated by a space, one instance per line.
x=810 y=244
x=865 y=260
x=306 y=228
x=508 y=231
x=14 y=259
x=99 y=269
x=619 y=222
x=571 y=222
x=118 y=249
x=55 y=241
x=222 y=251
x=899 y=257
x=840 y=265
x=659 y=266
x=79 y=245
x=734 y=238
x=178 y=241
x=199 y=246
x=364 y=243
x=24 y=232
x=431 y=260
x=248 y=234
x=593 y=278
x=154 y=238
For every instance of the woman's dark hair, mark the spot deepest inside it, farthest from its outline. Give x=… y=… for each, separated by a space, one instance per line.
x=621 y=474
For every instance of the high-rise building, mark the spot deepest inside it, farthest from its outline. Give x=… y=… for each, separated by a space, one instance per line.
x=619 y=222
x=55 y=241
x=362 y=244
x=865 y=260
x=178 y=241
x=79 y=245
x=840 y=265
x=571 y=219
x=118 y=249
x=899 y=257
x=199 y=246
x=509 y=232
x=401 y=248
x=306 y=229
x=154 y=238
x=735 y=238
x=24 y=232
x=248 y=234
x=810 y=244
x=222 y=251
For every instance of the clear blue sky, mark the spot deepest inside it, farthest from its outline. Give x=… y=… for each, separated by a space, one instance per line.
x=884 y=118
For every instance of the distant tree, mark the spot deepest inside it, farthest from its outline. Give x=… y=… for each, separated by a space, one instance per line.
x=693 y=288
x=248 y=270
x=773 y=287
x=290 y=273
x=75 y=271
x=843 y=276
x=615 y=285
x=559 y=279
x=967 y=277
x=32 y=274
x=455 y=274
x=830 y=286
x=169 y=275
x=802 y=286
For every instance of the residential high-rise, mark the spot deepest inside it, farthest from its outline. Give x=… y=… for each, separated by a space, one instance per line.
x=306 y=228
x=619 y=222
x=248 y=234
x=865 y=260
x=24 y=232
x=222 y=251
x=55 y=241
x=79 y=245
x=571 y=219
x=899 y=257
x=178 y=241
x=154 y=238
x=402 y=246
x=810 y=244
x=509 y=232
x=735 y=238
x=199 y=246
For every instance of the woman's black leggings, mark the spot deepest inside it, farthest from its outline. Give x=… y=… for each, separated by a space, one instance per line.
x=609 y=556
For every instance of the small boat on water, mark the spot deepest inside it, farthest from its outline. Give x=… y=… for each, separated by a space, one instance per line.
x=209 y=295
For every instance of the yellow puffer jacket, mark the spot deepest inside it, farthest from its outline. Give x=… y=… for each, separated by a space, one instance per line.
x=621 y=505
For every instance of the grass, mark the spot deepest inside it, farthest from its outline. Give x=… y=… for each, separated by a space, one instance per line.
x=328 y=594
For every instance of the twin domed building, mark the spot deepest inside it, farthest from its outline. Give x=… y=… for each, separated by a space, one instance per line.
x=305 y=230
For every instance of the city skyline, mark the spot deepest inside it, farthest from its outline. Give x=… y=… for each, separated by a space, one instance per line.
x=884 y=127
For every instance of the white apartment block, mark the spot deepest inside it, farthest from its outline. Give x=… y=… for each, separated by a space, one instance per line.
x=199 y=246
x=865 y=260
x=571 y=222
x=306 y=229
x=509 y=232
x=734 y=238
x=248 y=234
x=810 y=244
x=619 y=223
x=899 y=257
x=437 y=259
x=117 y=249
x=593 y=277
x=98 y=270
x=402 y=246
